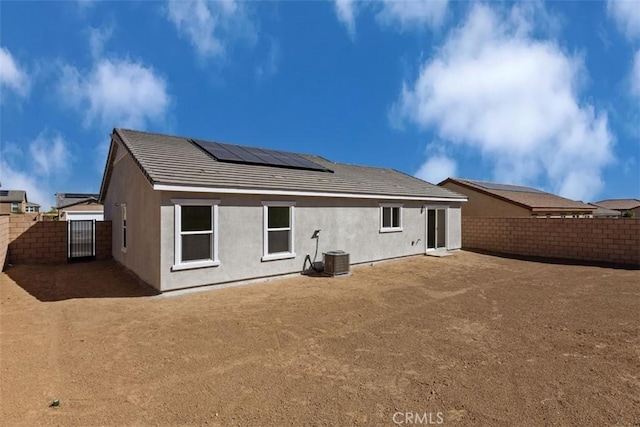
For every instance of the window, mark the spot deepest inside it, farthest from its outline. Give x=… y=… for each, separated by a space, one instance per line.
x=30 y=209
x=278 y=231
x=196 y=233
x=390 y=217
x=14 y=207
x=123 y=208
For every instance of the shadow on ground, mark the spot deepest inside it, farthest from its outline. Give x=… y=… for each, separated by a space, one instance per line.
x=97 y=279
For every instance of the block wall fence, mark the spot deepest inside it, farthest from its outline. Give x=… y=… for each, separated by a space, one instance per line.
x=45 y=242
x=4 y=239
x=611 y=241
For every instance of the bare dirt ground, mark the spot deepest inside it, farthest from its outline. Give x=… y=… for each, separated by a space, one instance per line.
x=480 y=339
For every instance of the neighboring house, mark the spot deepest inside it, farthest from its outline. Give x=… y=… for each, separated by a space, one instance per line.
x=188 y=213
x=31 y=207
x=13 y=201
x=78 y=206
x=600 y=212
x=630 y=207
x=490 y=199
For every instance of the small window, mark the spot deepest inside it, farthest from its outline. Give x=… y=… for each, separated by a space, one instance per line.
x=196 y=234
x=390 y=218
x=123 y=207
x=14 y=207
x=278 y=231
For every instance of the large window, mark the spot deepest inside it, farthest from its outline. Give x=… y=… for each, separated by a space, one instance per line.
x=196 y=233
x=278 y=230
x=390 y=217
x=15 y=207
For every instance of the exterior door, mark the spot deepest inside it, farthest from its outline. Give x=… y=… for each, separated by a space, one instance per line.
x=436 y=228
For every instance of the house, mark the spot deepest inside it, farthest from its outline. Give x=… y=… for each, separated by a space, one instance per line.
x=13 y=201
x=600 y=212
x=490 y=199
x=78 y=206
x=31 y=207
x=188 y=212
x=628 y=207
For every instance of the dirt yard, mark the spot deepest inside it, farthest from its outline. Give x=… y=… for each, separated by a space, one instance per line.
x=469 y=339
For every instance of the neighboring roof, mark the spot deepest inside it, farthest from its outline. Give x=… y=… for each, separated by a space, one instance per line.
x=33 y=204
x=177 y=161
x=12 y=196
x=619 y=204
x=64 y=200
x=527 y=197
x=600 y=211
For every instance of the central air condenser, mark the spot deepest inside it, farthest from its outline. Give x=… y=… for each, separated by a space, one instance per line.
x=336 y=263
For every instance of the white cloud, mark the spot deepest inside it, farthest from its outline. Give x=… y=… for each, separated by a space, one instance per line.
x=12 y=76
x=635 y=75
x=437 y=168
x=116 y=93
x=98 y=37
x=270 y=66
x=345 y=10
x=512 y=98
x=49 y=154
x=210 y=26
x=626 y=13
x=409 y=14
x=34 y=170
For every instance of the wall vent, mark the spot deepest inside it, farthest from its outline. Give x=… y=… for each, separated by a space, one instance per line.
x=336 y=263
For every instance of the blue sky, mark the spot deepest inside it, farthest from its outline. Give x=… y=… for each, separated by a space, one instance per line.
x=543 y=94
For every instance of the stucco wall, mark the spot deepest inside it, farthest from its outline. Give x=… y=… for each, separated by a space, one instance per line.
x=481 y=205
x=349 y=225
x=129 y=186
x=587 y=239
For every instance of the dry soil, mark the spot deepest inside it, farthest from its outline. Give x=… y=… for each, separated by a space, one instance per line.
x=470 y=339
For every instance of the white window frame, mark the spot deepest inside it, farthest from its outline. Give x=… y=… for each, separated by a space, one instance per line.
x=214 y=261
x=30 y=209
x=123 y=227
x=266 y=256
x=15 y=207
x=391 y=229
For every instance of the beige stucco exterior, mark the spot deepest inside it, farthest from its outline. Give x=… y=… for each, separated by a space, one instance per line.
x=484 y=205
x=348 y=224
x=5 y=207
x=88 y=206
x=480 y=204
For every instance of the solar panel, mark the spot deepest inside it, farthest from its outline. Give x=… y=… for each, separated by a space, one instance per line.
x=4 y=193
x=257 y=156
x=506 y=187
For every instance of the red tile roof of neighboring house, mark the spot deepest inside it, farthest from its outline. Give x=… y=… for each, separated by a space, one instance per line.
x=527 y=197
x=619 y=204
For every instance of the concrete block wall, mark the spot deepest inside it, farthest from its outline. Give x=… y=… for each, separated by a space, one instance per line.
x=615 y=241
x=4 y=239
x=45 y=242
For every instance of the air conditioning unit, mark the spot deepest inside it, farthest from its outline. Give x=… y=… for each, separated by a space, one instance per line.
x=336 y=263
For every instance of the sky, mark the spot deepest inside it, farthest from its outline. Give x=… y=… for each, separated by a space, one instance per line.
x=545 y=94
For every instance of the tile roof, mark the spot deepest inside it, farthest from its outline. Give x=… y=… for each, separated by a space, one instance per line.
x=619 y=204
x=173 y=160
x=600 y=211
x=64 y=200
x=12 y=195
x=528 y=197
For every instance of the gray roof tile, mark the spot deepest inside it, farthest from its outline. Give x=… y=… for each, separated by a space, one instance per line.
x=176 y=160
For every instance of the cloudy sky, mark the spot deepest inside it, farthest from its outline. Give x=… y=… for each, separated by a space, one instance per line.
x=543 y=94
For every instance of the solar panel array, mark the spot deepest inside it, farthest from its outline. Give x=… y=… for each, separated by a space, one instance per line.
x=79 y=195
x=257 y=156
x=505 y=187
x=4 y=193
